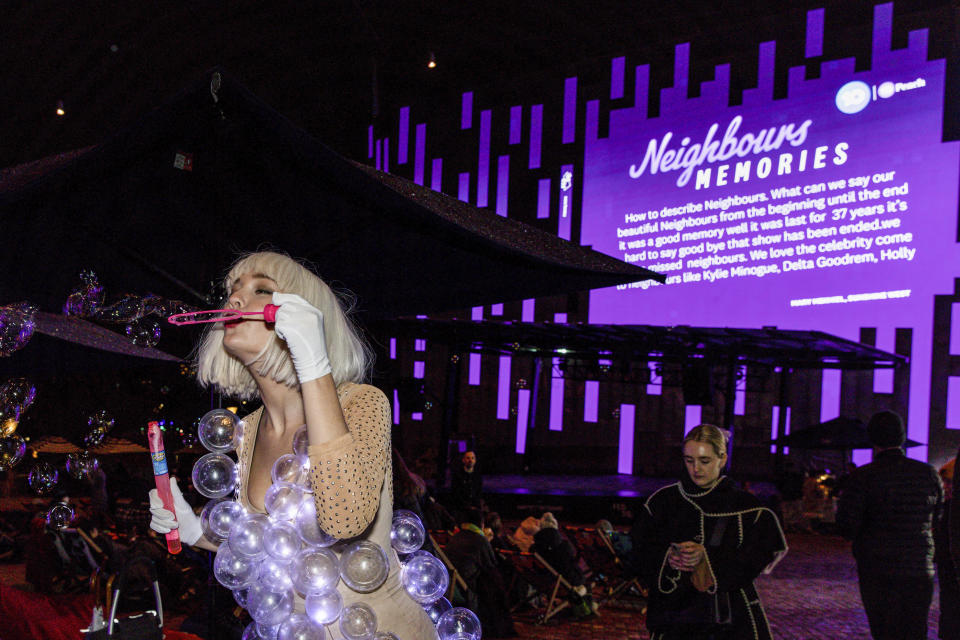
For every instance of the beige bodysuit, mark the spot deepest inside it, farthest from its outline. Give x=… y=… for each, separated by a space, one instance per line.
x=353 y=489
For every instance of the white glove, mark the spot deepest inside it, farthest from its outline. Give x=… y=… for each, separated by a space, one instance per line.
x=186 y=520
x=301 y=325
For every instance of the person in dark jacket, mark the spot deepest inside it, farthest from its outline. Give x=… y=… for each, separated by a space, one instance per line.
x=889 y=509
x=466 y=485
x=949 y=627
x=699 y=545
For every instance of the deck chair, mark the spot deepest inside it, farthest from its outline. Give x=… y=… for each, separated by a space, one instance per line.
x=607 y=569
x=456 y=580
x=549 y=586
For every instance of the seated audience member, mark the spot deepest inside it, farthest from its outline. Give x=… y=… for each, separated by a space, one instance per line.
x=409 y=489
x=497 y=539
x=472 y=555
x=622 y=542
x=562 y=556
x=523 y=536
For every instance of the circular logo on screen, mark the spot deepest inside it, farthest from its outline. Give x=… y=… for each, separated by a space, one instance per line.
x=886 y=90
x=853 y=97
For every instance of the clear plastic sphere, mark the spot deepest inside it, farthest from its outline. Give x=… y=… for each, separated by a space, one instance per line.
x=425 y=577
x=275 y=574
x=324 y=607
x=358 y=622
x=315 y=570
x=437 y=608
x=281 y=541
x=407 y=532
x=282 y=500
x=300 y=442
x=459 y=623
x=233 y=570
x=269 y=607
x=59 y=515
x=250 y=632
x=214 y=475
x=290 y=468
x=225 y=514
x=299 y=627
x=240 y=597
x=205 y=521
x=42 y=478
x=267 y=631
x=364 y=566
x=12 y=449
x=246 y=536
x=219 y=430
x=308 y=527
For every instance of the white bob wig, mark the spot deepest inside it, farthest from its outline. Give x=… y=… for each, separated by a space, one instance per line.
x=350 y=357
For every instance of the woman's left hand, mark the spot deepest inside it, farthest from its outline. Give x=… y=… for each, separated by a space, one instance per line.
x=300 y=324
x=691 y=554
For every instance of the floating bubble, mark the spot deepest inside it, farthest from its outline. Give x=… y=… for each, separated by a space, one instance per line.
x=459 y=623
x=145 y=332
x=290 y=468
x=437 y=608
x=246 y=536
x=269 y=607
x=275 y=574
x=233 y=570
x=358 y=622
x=101 y=420
x=224 y=515
x=324 y=607
x=88 y=463
x=128 y=308
x=12 y=449
x=300 y=442
x=281 y=541
x=16 y=395
x=42 y=478
x=315 y=571
x=308 y=527
x=73 y=466
x=85 y=300
x=407 y=533
x=16 y=326
x=219 y=431
x=214 y=475
x=94 y=438
x=209 y=533
x=59 y=515
x=282 y=500
x=299 y=627
x=424 y=577
x=364 y=566
x=8 y=422
x=240 y=597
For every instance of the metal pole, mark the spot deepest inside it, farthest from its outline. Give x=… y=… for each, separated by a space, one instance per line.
x=532 y=414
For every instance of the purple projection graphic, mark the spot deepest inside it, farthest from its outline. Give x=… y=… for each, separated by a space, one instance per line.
x=831 y=209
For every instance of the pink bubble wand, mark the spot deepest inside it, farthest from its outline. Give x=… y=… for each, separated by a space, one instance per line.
x=269 y=314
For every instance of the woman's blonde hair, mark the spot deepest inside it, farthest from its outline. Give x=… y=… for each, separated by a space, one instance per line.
x=710 y=434
x=350 y=357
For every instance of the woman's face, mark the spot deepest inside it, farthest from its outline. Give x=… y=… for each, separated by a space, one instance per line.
x=246 y=339
x=702 y=463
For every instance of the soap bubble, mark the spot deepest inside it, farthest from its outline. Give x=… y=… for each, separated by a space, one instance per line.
x=267 y=631
x=225 y=514
x=214 y=475
x=358 y=622
x=205 y=521
x=281 y=541
x=85 y=300
x=282 y=500
x=300 y=442
x=275 y=574
x=459 y=623
x=219 y=431
x=315 y=571
x=269 y=607
x=290 y=468
x=16 y=395
x=437 y=608
x=424 y=577
x=42 y=478
x=101 y=420
x=94 y=438
x=12 y=449
x=364 y=566
x=59 y=515
x=308 y=527
x=128 y=308
x=8 y=422
x=88 y=463
x=233 y=570
x=73 y=467
x=240 y=597
x=407 y=533
x=144 y=332
x=246 y=536
x=16 y=326
x=324 y=607
x=299 y=627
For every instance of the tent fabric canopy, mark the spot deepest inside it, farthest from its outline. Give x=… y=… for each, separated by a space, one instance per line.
x=166 y=205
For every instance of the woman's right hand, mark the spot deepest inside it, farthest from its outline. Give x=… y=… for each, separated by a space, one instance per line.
x=163 y=521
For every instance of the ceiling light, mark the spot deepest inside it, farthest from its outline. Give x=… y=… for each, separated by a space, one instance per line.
x=432 y=64
x=60 y=111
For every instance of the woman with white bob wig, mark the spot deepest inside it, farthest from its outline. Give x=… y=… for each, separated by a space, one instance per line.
x=307 y=368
